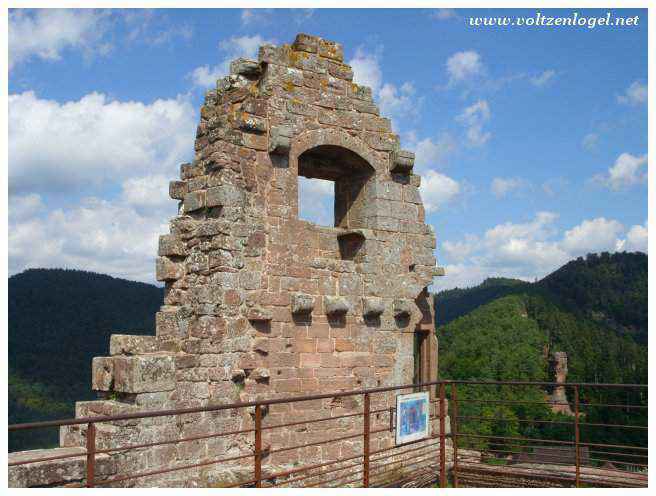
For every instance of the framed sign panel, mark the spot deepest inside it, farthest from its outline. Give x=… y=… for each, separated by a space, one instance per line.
x=412 y=417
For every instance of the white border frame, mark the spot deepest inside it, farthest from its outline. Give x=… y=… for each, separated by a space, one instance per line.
x=401 y=398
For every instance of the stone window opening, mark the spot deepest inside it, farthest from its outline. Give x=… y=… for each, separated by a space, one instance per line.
x=348 y=173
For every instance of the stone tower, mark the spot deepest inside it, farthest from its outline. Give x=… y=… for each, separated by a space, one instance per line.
x=260 y=304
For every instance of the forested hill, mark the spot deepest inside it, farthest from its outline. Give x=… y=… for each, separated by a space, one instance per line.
x=593 y=308
x=58 y=321
x=610 y=289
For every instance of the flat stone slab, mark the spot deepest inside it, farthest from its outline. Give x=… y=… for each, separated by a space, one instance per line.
x=55 y=472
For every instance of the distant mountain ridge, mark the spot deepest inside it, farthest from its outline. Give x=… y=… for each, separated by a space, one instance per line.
x=592 y=308
x=58 y=321
x=608 y=288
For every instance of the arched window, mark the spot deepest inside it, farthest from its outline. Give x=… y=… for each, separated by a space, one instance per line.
x=328 y=167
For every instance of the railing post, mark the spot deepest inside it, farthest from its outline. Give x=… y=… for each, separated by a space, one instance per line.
x=577 y=436
x=91 y=454
x=366 y=429
x=454 y=431
x=258 y=446
x=442 y=438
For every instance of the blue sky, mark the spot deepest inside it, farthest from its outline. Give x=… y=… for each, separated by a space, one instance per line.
x=531 y=141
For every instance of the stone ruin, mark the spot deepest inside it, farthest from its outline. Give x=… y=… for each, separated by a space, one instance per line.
x=558 y=396
x=260 y=304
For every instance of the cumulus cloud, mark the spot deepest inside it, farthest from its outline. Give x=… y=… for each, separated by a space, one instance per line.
x=628 y=170
x=205 y=76
x=463 y=66
x=637 y=238
x=437 y=190
x=432 y=152
x=47 y=33
x=635 y=94
x=544 y=78
x=533 y=249
x=94 y=141
x=396 y=102
x=316 y=201
x=503 y=186
x=98 y=235
x=366 y=68
x=474 y=118
x=594 y=235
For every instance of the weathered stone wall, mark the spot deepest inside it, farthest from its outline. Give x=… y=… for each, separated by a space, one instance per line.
x=260 y=304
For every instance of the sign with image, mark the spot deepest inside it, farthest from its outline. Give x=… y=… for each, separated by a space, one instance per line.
x=411 y=417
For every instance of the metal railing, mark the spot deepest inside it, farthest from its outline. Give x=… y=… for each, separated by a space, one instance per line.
x=488 y=427
x=570 y=442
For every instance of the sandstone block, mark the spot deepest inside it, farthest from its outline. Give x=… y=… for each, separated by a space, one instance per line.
x=171 y=245
x=126 y=344
x=245 y=67
x=259 y=314
x=302 y=303
x=331 y=50
x=225 y=195
x=102 y=373
x=144 y=373
x=402 y=161
x=336 y=305
x=280 y=139
x=167 y=270
x=372 y=307
x=306 y=43
x=55 y=472
x=403 y=308
x=177 y=189
x=194 y=200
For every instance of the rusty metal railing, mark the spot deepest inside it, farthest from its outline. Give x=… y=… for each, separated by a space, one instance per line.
x=443 y=458
x=500 y=440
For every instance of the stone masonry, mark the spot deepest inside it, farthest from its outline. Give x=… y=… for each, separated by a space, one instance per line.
x=260 y=304
x=558 y=396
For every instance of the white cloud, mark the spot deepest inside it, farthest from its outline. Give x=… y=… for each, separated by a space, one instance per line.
x=532 y=249
x=366 y=68
x=627 y=171
x=79 y=145
x=474 y=118
x=635 y=94
x=444 y=14
x=316 y=201
x=463 y=66
x=637 y=238
x=399 y=102
x=98 y=235
x=46 y=33
x=148 y=192
x=502 y=186
x=590 y=141
x=205 y=76
x=256 y=16
x=24 y=207
x=396 y=102
x=594 y=235
x=543 y=78
x=437 y=190
x=432 y=153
